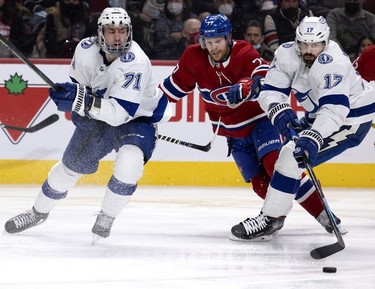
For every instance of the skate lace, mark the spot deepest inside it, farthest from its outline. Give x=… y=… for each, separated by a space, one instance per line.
x=25 y=219
x=256 y=224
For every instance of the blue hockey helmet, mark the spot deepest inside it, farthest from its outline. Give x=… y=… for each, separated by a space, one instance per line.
x=215 y=25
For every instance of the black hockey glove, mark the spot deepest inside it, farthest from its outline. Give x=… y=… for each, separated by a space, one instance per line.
x=71 y=97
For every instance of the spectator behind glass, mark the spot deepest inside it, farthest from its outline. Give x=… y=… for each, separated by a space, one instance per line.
x=243 y=12
x=169 y=26
x=254 y=35
x=349 y=24
x=280 y=25
x=225 y=7
x=322 y=7
x=190 y=33
x=144 y=25
x=365 y=42
x=66 y=24
x=14 y=25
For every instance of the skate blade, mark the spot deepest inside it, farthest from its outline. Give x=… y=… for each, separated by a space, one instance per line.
x=95 y=239
x=258 y=239
x=342 y=230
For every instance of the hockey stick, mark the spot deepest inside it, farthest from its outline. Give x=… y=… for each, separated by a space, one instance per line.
x=327 y=250
x=204 y=148
x=20 y=55
x=44 y=123
x=49 y=120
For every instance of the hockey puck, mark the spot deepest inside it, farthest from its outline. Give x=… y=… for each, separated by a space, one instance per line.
x=329 y=269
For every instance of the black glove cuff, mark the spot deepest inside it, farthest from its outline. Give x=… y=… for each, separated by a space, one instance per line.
x=275 y=109
x=314 y=135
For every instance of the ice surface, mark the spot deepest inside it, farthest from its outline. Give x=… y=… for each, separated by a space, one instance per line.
x=177 y=238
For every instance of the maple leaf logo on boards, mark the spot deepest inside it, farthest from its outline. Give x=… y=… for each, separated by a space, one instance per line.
x=16 y=84
x=20 y=104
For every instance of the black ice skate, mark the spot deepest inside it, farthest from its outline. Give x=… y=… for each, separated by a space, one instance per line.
x=325 y=222
x=102 y=226
x=260 y=228
x=24 y=221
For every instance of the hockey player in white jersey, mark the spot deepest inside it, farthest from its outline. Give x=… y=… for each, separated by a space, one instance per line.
x=339 y=104
x=115 y=105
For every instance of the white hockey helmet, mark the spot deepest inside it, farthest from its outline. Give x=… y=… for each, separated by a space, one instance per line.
x=313 y=30
x=118 y=17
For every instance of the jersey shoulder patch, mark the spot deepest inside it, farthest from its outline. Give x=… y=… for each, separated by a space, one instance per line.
x=128 y=57
x=87 y=42
x=288 y=44
x=325 y=58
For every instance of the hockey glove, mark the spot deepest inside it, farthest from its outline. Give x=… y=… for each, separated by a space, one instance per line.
x=284 y=119
x=240 y=91
x=71 y=97
x=307 y=147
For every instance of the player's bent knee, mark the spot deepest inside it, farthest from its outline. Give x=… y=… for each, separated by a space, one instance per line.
x=129 y=164
x=286 y=163
x=61 y=179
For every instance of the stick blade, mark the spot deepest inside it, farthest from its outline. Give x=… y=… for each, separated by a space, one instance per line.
x=325 y=251
x=44 y=123
x=49 y=120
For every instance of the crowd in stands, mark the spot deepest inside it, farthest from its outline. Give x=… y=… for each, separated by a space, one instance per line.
x=163 y=28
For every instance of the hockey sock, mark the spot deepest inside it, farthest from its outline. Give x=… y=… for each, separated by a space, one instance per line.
x=308 y=197
x=260 y=184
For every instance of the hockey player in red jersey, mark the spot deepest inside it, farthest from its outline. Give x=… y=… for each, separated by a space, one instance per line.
x=228 y=73
x=365 y=64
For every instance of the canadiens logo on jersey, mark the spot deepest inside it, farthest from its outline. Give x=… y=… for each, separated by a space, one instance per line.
x=219 y=95
x=20 y=105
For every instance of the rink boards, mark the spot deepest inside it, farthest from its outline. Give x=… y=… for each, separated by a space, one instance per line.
x=25 y=158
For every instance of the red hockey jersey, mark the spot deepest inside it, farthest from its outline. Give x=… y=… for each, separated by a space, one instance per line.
x=365 y=63
x=213 y=79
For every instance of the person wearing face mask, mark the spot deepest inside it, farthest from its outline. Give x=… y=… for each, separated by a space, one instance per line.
x=169 y=26
x=225 y=7
x=190 y=33
x=144 y=22
x=350 y=23
x=253 y=33
x=280 y=25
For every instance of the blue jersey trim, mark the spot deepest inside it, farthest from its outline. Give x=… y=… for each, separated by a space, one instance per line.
x=130 y=107
x=364 y=110
x=285 y=91
x=335 y=99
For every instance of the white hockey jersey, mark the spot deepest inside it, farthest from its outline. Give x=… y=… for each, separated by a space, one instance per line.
x=331 y=91
x=126 y=85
